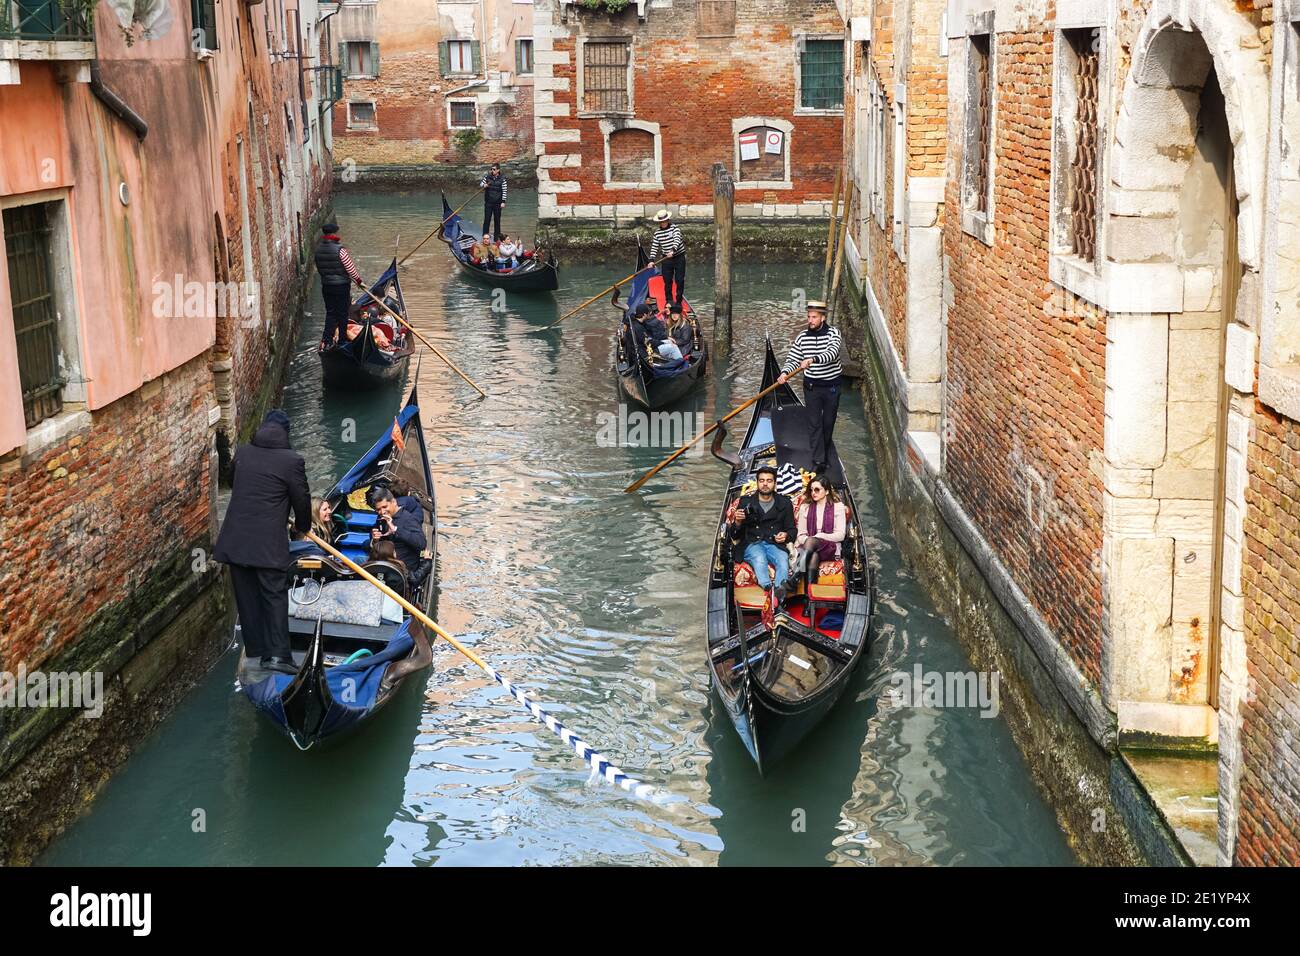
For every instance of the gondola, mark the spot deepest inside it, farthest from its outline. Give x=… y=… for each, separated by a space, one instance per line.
x=538 y=274
x=645 y=378
x=778 y=671
x=353 y=646
x=359 y=363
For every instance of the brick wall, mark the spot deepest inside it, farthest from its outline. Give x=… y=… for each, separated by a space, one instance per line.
x=1269 y=812
x=1025 y=385
x=693 y=88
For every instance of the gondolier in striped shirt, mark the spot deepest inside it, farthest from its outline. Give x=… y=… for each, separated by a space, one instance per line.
x=494 y=200
x=668 y=242
x=337 y=273
x=817 y=352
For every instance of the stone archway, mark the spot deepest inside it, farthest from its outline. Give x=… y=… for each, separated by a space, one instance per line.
x=1183 y=238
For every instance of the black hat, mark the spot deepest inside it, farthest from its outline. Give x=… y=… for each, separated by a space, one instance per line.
x=765 y=470
x=330 y=226
x=675 y=309
x=277 y=416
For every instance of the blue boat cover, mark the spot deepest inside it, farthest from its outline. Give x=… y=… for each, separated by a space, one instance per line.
x=348 y=483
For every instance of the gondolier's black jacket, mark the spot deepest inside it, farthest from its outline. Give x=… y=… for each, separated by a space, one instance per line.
x=760 y=526
x=269 y=479
x=494 y=188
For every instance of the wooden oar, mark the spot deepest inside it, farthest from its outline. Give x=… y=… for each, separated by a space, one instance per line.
x=433 y=348
x=598 y=761
x=603 y=291
x=440 y=225
x=708 y=431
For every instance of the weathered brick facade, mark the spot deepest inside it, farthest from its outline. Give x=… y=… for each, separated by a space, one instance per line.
x=1112 y=434
x=696 y=80
x=416 y=77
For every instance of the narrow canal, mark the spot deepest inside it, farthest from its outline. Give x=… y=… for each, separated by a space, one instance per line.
x=595 y=600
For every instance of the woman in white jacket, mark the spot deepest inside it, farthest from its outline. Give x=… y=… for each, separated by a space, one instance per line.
x=821 y=525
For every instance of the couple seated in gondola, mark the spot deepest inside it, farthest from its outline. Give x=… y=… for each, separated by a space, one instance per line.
x=397 y=538
x=503 y=256
x=773 y=536
x=655 y=340
x=386 y=332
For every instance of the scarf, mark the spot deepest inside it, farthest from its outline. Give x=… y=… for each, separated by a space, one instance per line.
x=825 y=548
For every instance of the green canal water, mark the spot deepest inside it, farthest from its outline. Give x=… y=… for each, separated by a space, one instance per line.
x=594 y=600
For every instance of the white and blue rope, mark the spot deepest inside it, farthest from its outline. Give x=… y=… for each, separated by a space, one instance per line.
x=600 y=764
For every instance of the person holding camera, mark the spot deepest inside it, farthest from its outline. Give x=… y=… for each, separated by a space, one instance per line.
x=764 y=525
x=401 y=526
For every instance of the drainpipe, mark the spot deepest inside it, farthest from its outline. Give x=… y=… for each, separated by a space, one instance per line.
x=115 y=103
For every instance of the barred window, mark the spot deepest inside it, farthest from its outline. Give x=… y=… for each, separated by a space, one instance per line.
x=361 y=115
x=29 y=251
x=1082 y=182
x=605 y=76
x=464 y=114
x=981 y=103
x=821 y=75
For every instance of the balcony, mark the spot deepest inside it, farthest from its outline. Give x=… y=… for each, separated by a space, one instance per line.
x=44 y=30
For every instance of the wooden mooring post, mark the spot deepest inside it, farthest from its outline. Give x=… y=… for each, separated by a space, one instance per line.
x=724 y=192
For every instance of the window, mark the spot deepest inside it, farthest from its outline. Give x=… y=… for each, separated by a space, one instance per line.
x=875 y=158
x=760 y=161
x=980 y=121
x=360 y=58
x=1083 y=48
x=524 y=56
x=459 y=56
x=715 y=18
x=821 y=75
x=607 y=76
x=462 y=114
x=205 y=22
x=29 y=249
x=361 y=115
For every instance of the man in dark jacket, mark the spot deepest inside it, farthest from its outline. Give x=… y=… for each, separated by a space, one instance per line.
x=494 y=200
x=269 y=479
x=337 y=273
x=764 y=525
x=400 y=525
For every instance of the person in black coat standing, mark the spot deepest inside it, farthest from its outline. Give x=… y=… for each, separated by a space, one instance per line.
x=269 y=478
x=337 y=274
x=494 y=200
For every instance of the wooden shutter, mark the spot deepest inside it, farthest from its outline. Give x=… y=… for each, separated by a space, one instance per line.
x=476 y=58
x=374 y=58
x=444 y=57
x=519 y=56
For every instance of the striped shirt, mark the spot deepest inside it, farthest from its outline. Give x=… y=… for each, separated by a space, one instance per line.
x=824 y=350
x=667 y=242
x=345 y=257
x=496 y=181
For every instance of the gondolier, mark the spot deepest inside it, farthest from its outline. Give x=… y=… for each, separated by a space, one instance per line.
x=668 y=242
x=494 y=200
x=817 y=352
x=337 y=273
x=269 y=480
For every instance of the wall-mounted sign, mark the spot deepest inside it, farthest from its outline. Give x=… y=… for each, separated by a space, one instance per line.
x=773 y=142
x=749 y=145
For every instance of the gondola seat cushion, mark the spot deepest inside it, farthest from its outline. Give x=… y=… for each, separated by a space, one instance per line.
x=750 y=596
x=828 y=573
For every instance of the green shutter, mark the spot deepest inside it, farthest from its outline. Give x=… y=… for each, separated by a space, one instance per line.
x=374 y=58
x=343 y=57
x=519 y=56
x=444 y=57
x=476 y=58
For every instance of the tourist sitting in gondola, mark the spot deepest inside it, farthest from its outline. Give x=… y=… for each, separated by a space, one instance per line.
x=508 y=252
x=764 y=525
x=647 y=327
x=484 y=253
x=398 y=525
x=821 y=522
x=681 y=331
x=322 y=526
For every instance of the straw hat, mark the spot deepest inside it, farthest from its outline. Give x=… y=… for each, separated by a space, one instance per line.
x=662 y=216
x=817 y=304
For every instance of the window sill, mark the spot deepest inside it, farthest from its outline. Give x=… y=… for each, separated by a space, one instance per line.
x=812 y=111
x=362 y=129
x=55 y=430
x=462 y=127
x=1076 y=276
x=360 y=76
x=763 y=184
x=977 y=224
x=612 y=114
x=1279 y=389
x=646 y=187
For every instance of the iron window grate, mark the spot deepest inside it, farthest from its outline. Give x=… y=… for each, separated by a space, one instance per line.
x=28 y=239
x=605 y=77
x=1083 y=165
x=821 y=75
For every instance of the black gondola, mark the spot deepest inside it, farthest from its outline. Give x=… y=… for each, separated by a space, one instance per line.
x=354 y=647
x=540 y=273
x=645 y=378
x=359 y=362
x=777 y=678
